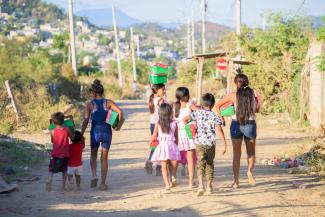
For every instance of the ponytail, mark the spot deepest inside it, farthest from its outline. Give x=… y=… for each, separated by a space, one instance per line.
x=151 y=104
x=246 y=104
x=177 y=107
x=182 y=94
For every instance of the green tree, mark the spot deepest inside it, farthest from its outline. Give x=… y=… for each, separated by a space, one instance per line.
x=61 y=42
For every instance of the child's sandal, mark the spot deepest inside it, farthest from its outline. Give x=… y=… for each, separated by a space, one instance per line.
x=48 y=186
x=200 y=191
x=93 y=183
x=103 y=187
x=174 y=182
x=167 y=190
x=148 y=167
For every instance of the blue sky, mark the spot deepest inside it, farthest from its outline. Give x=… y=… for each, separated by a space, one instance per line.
x=219 y=11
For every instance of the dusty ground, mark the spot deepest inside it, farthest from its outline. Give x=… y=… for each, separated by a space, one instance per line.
x=134 y=193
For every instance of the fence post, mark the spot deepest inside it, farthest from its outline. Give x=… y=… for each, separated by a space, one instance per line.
x=12 y=98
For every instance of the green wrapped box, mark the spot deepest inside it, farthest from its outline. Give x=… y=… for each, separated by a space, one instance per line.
x=68 y=122
x=227 y=112
x=157 y=79
x=190 y=129
x=112 y=119
x=159 y=69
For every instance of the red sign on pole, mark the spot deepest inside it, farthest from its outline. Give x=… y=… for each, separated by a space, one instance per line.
x=222 y=64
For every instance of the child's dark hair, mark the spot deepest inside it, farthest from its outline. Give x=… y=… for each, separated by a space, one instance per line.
x=97 y=87
x=165 y=117
x=208 y=100
x=182 y=94
x=245 y=99
x=77 y=137
x=58 y=118
x=154 y=90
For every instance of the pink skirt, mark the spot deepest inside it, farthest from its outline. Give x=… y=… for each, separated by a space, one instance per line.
x=166 y=150
x=184 y=157
x=184 y=143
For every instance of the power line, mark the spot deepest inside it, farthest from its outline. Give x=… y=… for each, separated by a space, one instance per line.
x=301 y=5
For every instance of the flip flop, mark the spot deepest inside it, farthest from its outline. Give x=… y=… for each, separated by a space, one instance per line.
x=93 y=183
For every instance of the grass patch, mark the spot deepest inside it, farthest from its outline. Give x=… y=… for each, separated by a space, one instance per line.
x=17 y=157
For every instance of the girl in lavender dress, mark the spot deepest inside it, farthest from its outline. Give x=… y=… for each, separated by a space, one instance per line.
x=167 y=151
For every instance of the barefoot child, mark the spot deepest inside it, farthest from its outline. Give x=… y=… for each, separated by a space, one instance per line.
x=75 y=160
x=167 y=150
x=155 y=100
x=208 y=124
x=60 y=153
x=187 y=147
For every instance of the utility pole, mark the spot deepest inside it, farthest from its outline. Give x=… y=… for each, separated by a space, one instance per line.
x=133 y=56
x=203 y=11
x=117 y=49
x=238 y=17
x=189 y=53
x=193 y=35
x=72 y=40
x=137 y=39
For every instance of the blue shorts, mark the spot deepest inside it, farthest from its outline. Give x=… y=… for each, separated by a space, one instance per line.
x=246 y=131
x=152 y=128
x=101 y=137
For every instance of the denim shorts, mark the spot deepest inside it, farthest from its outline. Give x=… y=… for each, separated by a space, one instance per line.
x=101 y=135
x=246 y=131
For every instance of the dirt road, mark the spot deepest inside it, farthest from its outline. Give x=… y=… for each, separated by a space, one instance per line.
x=134 y=193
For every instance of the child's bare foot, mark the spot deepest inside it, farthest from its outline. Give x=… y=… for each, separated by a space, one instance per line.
x=148 y=167
x=48 y=186
x=103 y=187
x=93 y=183
x=251 y=179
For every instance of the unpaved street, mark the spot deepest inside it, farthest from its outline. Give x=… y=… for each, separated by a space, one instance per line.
x=134 y=193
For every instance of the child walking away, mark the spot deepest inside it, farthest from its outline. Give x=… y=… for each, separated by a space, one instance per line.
x=60 y=153
x=208 y=124
x=75 y=160
x=155 y=100
x=186 y=146
x=167 y=150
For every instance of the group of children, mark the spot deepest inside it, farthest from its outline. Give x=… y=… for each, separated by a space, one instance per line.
x=170 y=143
x=66 y=157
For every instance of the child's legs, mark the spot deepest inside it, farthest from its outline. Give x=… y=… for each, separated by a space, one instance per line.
x=201 y=163
x=50 y=178
x=210 y=154
x=64 y=179
x=164 y=169
x=78 y=180
x=191 y=166
x=174 y=165
x=250 y=149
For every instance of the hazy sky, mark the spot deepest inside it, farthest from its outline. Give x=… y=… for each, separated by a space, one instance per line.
x=219 y=11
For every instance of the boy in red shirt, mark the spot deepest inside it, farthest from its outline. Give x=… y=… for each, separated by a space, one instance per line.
x=60 y=153
x=75 y=160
